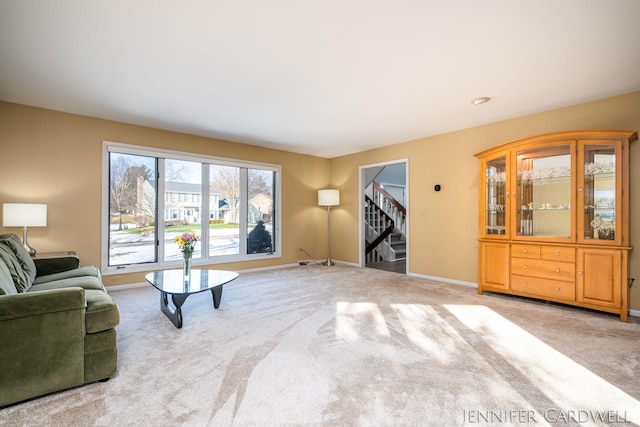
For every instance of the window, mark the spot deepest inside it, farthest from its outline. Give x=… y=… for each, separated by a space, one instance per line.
x=132 y=209
x=224 y=207
x=260 y=190
x=151 y=196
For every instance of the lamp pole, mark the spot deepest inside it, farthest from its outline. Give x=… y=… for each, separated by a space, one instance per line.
x=25 y=243
x=328 y=262
x=328 y=198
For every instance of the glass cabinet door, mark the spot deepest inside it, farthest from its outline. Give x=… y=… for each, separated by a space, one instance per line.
x=543 y=192
x=598 y=192
x=495 y=197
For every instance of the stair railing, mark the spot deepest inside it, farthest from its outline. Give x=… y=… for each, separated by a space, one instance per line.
x=381 y=226
x=394 y=209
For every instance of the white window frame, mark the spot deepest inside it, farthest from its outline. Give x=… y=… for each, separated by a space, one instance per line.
x=116 y=147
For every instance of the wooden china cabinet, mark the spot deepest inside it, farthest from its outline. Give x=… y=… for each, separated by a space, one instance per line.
x=554 y=219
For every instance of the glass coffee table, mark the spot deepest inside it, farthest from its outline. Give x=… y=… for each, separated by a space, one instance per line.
x=174 y=283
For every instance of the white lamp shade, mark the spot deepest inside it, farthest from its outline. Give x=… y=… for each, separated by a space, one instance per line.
x=24 y=214
x=328 y=197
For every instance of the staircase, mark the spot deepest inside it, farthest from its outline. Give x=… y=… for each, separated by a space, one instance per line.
x=399 y=245
x=385 y=220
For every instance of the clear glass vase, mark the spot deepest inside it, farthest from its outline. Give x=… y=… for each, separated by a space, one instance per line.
x=186 y=265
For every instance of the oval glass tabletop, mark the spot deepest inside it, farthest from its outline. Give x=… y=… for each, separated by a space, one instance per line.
x=174 y=282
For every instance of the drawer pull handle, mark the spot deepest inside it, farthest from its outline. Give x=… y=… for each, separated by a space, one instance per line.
x=525 y=251
x=557 y=253
x=524 y=284
x=557 y=289
x=580 y=273
x=524 y=266
x=557 y=270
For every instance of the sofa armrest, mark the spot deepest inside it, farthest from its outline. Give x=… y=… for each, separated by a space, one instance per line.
x=56 y=264
x=39 y=303
x=42 y=335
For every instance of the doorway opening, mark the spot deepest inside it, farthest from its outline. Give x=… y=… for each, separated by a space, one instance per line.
x=384 y=202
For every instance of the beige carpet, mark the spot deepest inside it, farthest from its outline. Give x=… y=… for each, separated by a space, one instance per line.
x=345 y=346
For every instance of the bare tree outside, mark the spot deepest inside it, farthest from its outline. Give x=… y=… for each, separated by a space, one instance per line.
x=259 y=182
x=119 y=187
x=225 y=181
x=224 y=210
x=125 y=179
x=175 y=171
x=132 y=197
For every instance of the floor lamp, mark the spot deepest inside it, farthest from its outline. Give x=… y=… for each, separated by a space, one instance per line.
x=24 y=215
x=328 y=198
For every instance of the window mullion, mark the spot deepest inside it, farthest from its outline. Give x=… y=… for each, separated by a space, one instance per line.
x=275 y=211
x=244 y=209
x=160 y=212
x=204 y=216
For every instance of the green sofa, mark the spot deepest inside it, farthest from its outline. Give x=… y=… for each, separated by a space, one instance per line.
x=57 y=324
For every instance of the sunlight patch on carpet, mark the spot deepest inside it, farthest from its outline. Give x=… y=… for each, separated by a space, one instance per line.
x=352 y=317
x=427 y=330
x=553 y=373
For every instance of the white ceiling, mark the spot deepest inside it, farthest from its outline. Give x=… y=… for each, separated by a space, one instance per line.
x=325 y=78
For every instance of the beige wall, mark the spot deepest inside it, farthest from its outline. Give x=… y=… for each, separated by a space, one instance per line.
x=55 y=158
x=443 y=225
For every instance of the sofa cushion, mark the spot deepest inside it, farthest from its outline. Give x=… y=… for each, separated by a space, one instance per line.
x=88 y=271
x=56 y=264
x=20 y=279
x=6 y=281
x=84 y=282
x=24 y=257
x=102 y=312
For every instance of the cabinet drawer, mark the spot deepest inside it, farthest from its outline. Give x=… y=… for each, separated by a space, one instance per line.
x=525 y=251
x=544 y=269
x=543 y=287
x=558 y=253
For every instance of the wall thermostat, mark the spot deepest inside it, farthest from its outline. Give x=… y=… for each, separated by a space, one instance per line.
x=437 y=187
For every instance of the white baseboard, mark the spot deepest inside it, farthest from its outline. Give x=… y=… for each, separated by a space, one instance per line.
x=127 y=286
x=350 y=264
x=444 y=279
x=272 y=267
